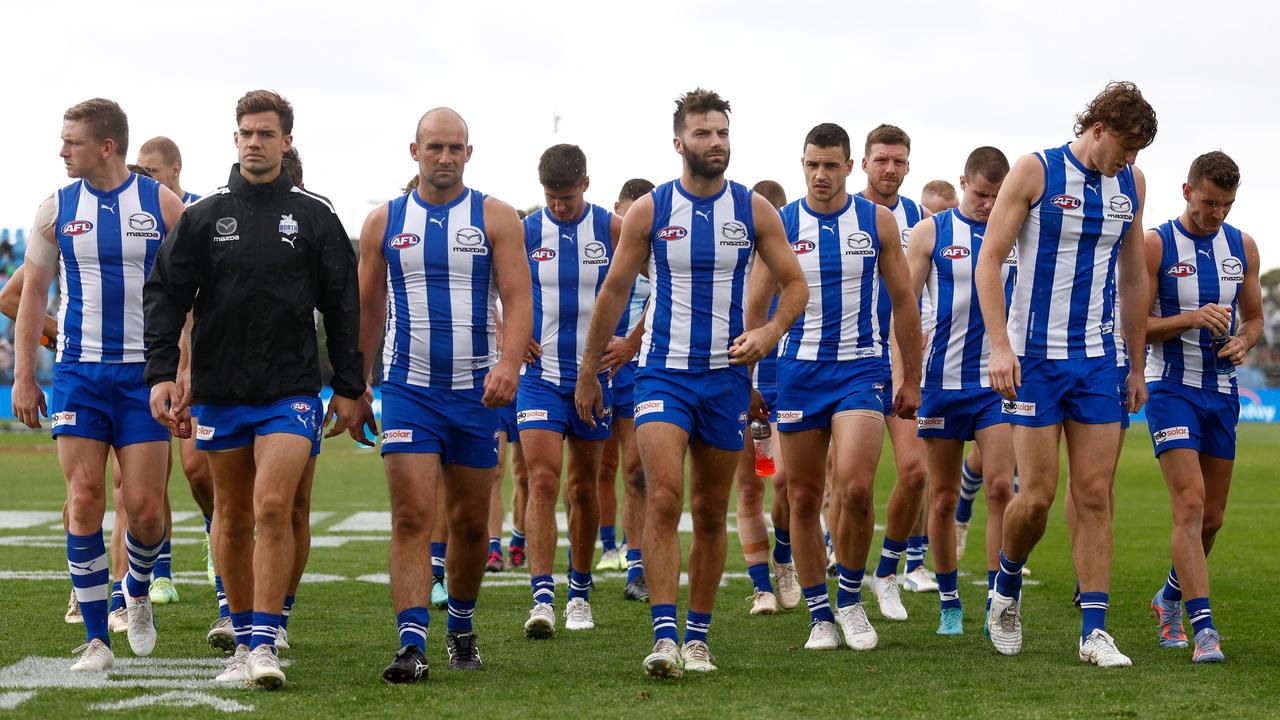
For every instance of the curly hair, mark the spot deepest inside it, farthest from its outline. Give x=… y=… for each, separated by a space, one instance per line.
x=697 y=102
x=1121 y=109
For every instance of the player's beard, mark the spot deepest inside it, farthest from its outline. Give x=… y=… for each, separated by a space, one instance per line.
x=703 y=168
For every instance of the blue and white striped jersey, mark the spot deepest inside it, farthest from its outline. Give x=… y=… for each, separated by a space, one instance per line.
x=635 y=306
x=701 y=254
x=1196 y=270
x=839 y=255
x=568 y=263
x=189 y=199
x=907 y=213
x=959 y=348
x=107 y=242
x=1064 y=301
x=440 y=304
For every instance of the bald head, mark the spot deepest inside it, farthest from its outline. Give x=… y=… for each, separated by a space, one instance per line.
x=442 y=120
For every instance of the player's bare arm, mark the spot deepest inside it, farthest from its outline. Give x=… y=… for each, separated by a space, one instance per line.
x=784 y=271
x=10 y=297
x=1134 y=296
x=906 y=312
x=28 y=399
x=629 y=255
x=511 y=267
x=1249 y=330
x=1021 y=188
x=373 y=287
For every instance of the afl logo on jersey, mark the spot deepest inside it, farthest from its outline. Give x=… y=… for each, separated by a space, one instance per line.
x=302 y=407
x=470 y=240
x=542 y=254
x=859 y=243
x=594 y=254
x=955 y=252
x=1066 y=202
x=671 y=232
x=804 y=247
x=1181 y=270
x=404 y=241
x=77 y=227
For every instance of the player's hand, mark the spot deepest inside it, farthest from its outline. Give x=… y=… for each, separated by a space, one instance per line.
x=1005 y=372
x=1215 y=318
x=1234 y=350
x=751 y=346
x=906 y=400
x=183 y=382
x=29 y=403
x=619 y=353
x=533 y=352
x=183 y=428
x=353 y=416
x=758 y=410
x=1135 y=392
x=588 y=398
x=500 y=386
x=166 y=404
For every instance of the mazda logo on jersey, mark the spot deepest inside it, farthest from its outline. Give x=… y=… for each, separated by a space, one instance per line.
x=470 y=240
x=77 y=227
x=733 y=230
x=955 y=252
x=671 y=232
x=1012 y=258
x=859 y=244
x=1066 y=202
x=1120 y=204
x=1232 y=270
x=1181 y=270
x=594 y=254
x=225 y=226
x=142 y=221
x=404 y=241
x=469 y=236
x=543 y=254
x=804 y=247
x=906 y=235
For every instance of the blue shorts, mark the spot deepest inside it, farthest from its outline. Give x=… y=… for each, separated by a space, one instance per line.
x=1122 y=389
x=811 y=392
x=624 y=391
x=709 y=405
x=227 y=427
x=770 y=395
x=507 y=421
x=957 y=414
x=1181 y=416
x=1080 y=389
x=541 y=405
x=107 y=402
x=454 y=424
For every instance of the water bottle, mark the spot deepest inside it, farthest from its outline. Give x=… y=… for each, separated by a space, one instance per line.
x=762 y=438
x=1222 y=365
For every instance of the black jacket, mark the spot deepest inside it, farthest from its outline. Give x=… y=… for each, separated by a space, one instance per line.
x=256 y=261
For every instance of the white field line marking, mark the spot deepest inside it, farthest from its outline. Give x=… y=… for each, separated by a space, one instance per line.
x=17 y=519
x=11 y=700
x=182 y=699
x=493 y=581
x=171 y=673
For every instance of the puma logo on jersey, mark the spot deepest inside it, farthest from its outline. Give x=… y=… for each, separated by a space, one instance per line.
x=704 y=214
x=290 y=241
x=436 y=220
x=828 y=228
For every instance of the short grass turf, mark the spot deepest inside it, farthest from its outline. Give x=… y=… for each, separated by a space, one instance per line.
x=343 y=632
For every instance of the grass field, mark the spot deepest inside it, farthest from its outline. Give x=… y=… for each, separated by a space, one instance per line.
x=343 y=631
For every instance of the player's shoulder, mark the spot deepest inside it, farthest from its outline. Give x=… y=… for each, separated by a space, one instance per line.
x=313 y=202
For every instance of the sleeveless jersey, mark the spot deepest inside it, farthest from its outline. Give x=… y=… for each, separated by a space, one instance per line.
x=1063 y=303
x=440 y=316
x=839 y=256
x=959 y=348
x=907 y=213
x=701 y=253
x=567 y=262
x=1196 y=270
x=189 y=199
x=107 y=243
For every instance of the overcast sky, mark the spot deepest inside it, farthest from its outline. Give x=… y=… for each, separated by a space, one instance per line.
x=954 y=75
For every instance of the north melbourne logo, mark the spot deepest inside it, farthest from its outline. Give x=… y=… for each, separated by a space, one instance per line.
x=288 y=226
